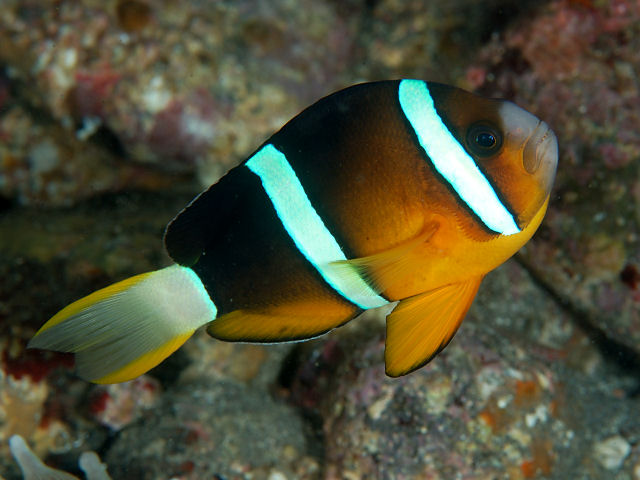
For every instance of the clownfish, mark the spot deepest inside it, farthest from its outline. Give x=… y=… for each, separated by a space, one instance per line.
x=395 y=191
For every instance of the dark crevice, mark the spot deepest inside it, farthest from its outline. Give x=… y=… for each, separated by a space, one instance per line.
x=168 y=372
x=314 y=435
x=106 y=139
x=292 y=379
x=20 y=93
x=625 y=358
x=501 y=16
x=371 y=4
x=5 y=204
x=289 y=367
x=112 y=436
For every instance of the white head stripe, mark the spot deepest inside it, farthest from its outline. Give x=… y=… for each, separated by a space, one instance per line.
x=306 y=228
x=451 y=160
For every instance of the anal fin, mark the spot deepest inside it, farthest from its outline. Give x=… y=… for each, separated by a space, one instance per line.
x=290 y=322
x=421 y=326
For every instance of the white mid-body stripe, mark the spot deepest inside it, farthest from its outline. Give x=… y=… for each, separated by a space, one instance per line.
x=306 y=228
x=451 y=160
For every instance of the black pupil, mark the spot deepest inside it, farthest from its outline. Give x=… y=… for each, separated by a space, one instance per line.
x=485 y=140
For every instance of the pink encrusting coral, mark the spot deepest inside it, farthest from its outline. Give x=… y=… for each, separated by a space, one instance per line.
x=185 y=129
x=119 y=405
x=90 y=95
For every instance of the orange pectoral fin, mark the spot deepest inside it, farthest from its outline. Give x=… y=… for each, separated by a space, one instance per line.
x=289 y=322
x=388 y=266
x=421 y=326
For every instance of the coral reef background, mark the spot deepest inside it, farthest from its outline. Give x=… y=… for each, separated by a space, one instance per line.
x=114 y=114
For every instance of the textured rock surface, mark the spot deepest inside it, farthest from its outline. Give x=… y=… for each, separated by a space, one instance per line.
x=210 y=428
x=171 y=86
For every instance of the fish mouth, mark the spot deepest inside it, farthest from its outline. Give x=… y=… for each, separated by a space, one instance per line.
x=541 y=154
x=537 y=141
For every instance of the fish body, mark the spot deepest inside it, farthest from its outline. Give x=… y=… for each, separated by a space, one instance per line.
x=396 y=191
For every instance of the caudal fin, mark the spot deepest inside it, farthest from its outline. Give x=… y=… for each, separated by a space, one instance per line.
x=123 y=330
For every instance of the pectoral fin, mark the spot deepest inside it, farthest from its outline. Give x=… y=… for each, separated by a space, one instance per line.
x=421 y=326
x=391 y=264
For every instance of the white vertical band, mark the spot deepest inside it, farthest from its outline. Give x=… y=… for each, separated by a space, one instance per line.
x=306 y=228
x=451 y=160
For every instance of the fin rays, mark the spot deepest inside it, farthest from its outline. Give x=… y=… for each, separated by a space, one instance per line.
x=122 y=331
x=291 y=323
x=390 y=264
x=423 y=325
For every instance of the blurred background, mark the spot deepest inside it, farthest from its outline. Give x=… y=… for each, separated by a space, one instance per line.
x=114 y=114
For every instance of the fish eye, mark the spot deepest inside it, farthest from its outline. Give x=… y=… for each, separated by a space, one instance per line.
x=483 y=140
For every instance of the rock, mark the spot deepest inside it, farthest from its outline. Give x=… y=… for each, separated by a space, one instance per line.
x=612 y=452
x=431 y=40
x=203 y=429
x=193 y=87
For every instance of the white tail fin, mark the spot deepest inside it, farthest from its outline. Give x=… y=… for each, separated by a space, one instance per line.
x=122 y=331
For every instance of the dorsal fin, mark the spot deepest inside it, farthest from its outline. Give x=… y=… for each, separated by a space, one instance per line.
x=194 y=228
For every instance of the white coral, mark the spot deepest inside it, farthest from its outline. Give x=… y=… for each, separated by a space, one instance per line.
x=33 y=468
